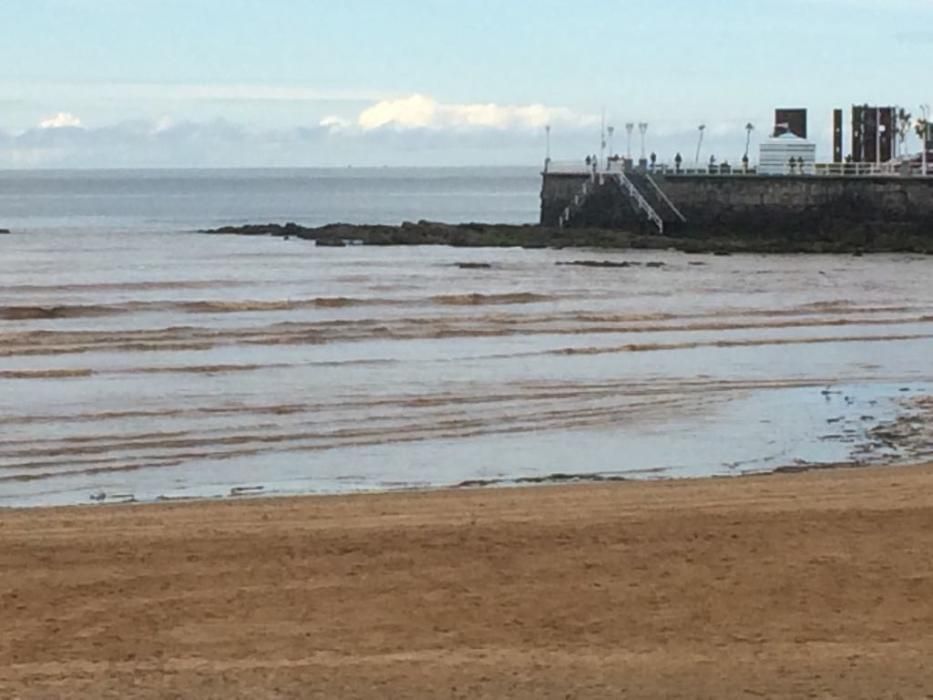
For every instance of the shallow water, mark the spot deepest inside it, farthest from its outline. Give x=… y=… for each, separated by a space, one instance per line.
x=176 y=365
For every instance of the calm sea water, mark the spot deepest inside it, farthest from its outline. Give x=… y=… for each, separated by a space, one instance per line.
x=141 y=359
x=180 y=200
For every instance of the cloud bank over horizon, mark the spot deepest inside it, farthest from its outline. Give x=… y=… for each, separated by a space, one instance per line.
x=413 y=130
x=416 y=130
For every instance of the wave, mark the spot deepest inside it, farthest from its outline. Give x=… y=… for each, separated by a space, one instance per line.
x=484 y=299
x=122 y=286
x=64 y=311
x=30 y=313
x=649 y=347
x=45 y=373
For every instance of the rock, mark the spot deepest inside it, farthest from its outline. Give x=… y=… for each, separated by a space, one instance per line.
x=596 y=263
x=4 y=230
x=474 y=266
x=719 y=241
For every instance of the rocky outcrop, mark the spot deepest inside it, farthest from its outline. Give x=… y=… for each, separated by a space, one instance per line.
x=722 y=241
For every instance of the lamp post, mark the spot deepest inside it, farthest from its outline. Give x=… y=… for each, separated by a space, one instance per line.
x=643 y=130
x=925 y=137
x=547 y=147
x=878 y=129
x=629 y=128
x=612 y=131
x=749 y=128
x=602 y=138
x=701 y=128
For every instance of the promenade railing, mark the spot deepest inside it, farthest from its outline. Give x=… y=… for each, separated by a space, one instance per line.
x=891 y=169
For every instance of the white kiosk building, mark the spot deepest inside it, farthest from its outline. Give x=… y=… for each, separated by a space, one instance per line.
x=775 y=156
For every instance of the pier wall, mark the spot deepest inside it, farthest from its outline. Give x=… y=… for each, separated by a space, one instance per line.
x=802 y=207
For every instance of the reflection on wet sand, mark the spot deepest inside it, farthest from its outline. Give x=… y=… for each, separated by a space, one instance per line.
x=295 y=373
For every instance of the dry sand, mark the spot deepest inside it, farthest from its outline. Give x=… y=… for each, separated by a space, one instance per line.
x=802 y=585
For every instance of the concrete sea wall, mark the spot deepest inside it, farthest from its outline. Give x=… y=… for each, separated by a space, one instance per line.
x=796 y=208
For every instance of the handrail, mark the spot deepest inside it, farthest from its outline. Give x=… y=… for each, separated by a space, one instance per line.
x=889 y=169
x=577 y=202
x=640 y=200
x=664 y=198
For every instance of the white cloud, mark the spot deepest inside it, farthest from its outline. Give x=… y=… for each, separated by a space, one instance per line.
x=423 y=112
x=335 y=123
x=60 y=120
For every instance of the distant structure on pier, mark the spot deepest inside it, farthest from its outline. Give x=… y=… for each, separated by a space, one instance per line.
x=874 y=132
x=873 y=189
x=790 y=121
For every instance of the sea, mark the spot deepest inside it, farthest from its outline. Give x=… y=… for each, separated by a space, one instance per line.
x=143 y=360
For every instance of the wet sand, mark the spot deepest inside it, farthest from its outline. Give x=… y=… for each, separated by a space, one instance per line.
x=794 y=585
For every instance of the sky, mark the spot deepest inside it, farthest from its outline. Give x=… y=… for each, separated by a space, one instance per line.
x=268 y=83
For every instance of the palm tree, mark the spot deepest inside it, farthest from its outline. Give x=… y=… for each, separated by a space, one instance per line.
x=922 y=127
x=903 y=126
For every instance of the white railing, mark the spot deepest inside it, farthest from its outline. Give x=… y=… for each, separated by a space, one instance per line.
x=577 y=202
x=629 y=187
x=664 y=198
x=568 y=167
x=891 y=169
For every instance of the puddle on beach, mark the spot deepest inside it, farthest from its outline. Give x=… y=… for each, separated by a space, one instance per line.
x=331 y=371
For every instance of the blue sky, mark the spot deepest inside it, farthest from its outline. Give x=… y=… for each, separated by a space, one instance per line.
x=433 y=82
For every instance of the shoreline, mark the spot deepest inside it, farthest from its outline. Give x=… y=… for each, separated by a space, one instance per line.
x=667 y=589
x=897 y=436
x=548 y=481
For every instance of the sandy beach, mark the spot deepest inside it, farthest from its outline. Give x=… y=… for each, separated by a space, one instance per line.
x=815 y=584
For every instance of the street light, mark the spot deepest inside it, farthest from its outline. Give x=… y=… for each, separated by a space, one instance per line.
x=925 y=137
x=643 y=129
x=628 y=130
x=749 y=128
x=612 y=130
x=879 y=129
x=701 y=128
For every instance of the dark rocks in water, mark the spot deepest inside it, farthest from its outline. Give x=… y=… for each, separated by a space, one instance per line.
x=474 y=266
x=478 y=235
x=608 y=263
x=558 y=478
x=596 y=263
x=4 y=231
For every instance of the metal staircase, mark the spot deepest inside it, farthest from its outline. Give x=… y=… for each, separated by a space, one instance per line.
x=638 y=199
x=576 y=204
x=645 y=195
x=665 y=199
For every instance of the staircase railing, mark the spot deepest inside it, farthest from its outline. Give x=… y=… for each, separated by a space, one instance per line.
x=664 y=198
x=629 y=188
x=577 y=202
